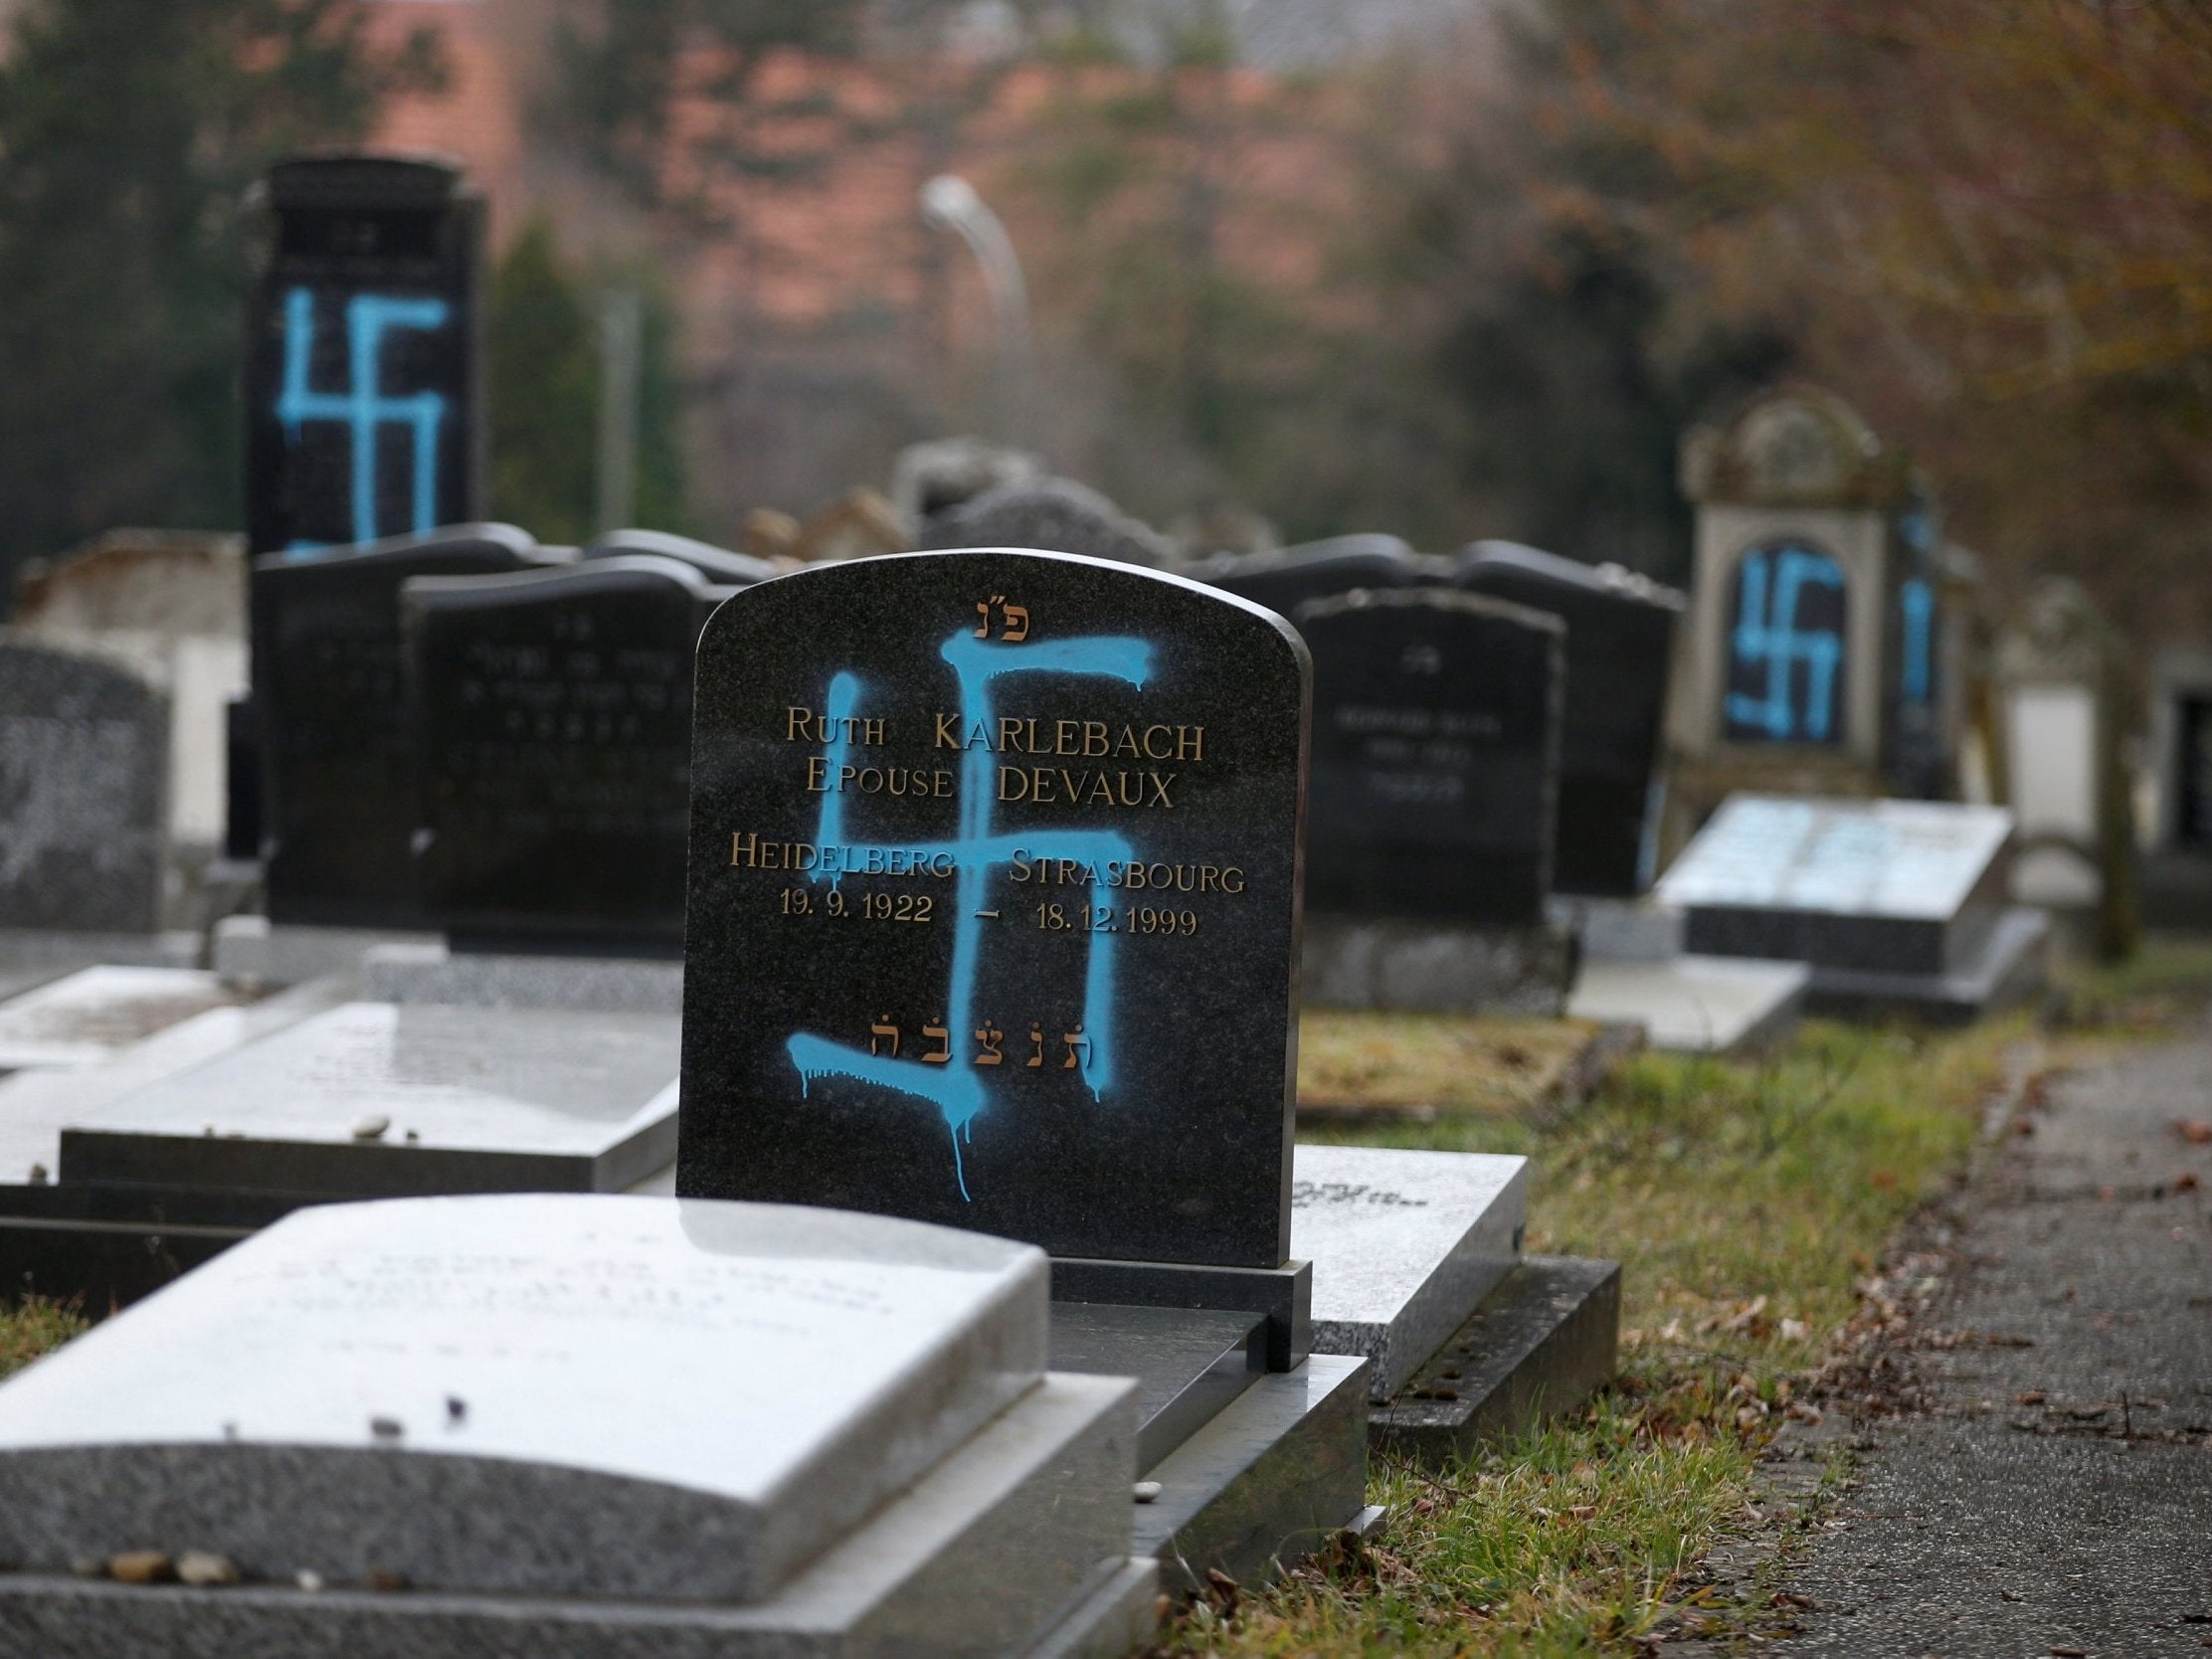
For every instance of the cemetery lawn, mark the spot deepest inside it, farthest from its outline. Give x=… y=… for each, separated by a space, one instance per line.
x=1750 y=1203
x=1399 y=1065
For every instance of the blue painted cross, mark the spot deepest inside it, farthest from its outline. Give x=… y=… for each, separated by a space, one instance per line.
x=363 y=406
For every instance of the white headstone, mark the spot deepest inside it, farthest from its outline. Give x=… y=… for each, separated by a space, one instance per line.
x=86 y=1016
x=1913 y=859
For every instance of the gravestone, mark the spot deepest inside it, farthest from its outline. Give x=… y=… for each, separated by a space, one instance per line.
x=1404 y=1244
x=1435 y=756
x=717 y=564
x=364 y=361
x=371 y=1100
x=1282 y=581
x=1056 y=515
x=552 y=718
x=993 y=912
x=84 y=787
x=940 y=473
x=1620 y=648
x=338 y=784
x=1799 y=597
x=1897 y=905
x=587 y=1428
x=88 y=1017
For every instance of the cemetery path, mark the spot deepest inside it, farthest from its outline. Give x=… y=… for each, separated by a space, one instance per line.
x=2055 y=1496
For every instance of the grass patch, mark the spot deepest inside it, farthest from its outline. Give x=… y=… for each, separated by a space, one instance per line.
x=32 y=1326
x=1455 y=1063
x=1745 y=1201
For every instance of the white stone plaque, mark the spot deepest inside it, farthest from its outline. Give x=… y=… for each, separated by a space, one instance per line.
x=88 y=1016
x=560 y=1394
x=1913 y=859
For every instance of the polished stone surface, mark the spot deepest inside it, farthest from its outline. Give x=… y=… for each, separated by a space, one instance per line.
x=1695 y=1004
x=632 y=1398
x=1541 y=1343
x=1620 y=631
x=337 y=754
x=83 y=755
x=1187 y=1363
x=363 y=256
x=1282 y=1295
x=1910 y=886
x=2007 y=967
x=256 y=951
x=86 y=1016
x=1404 y=1245
x=1401 y=963
x=551 y=712
x=430 y=973
x=1435 y=756
x=371 y=1100
x=34 y=1105
x=1266 y=1482
x=1015 y=1545
x=1044 y=989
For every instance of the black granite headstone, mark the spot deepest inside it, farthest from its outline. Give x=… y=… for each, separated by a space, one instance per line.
x=1789 y=611
x=717 y=564
x=2193 y=770
x=337 y=758
x=363 y=372
x=1620 y=631
x=552 y=716
x=1435 y=756
x=83 y=771
x=994 y=903
x=1285 y=580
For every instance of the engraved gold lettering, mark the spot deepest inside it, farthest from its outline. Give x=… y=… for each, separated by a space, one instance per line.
x=944 y=1049
x=816 y=770
x=990 y=1036
x=948 y=732
x=884 y=1032
x=1037 y=1038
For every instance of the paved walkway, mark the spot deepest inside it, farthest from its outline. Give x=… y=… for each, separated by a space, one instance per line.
x=2057 y=1498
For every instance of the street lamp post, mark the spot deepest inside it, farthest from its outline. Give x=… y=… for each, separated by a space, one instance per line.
x=950 y=203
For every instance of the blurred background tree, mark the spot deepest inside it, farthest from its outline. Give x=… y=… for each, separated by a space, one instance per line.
x=130 y=133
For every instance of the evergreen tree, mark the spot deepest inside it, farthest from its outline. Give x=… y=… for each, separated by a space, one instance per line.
x=130 y=133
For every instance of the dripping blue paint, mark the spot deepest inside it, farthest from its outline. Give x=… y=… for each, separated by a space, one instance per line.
x=954 y=1088
x=1917 y=682
x=362 y=406
x=1790 y=665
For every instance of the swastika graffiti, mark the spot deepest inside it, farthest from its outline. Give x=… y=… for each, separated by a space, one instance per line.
x=1917 y=663
x=955 y=1089
x=362 y=404
x=1786 y=656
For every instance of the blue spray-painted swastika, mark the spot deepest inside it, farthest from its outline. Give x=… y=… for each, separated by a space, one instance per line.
x=363 y=407
x=1771 y=634
x=1917 y=678
x=957 y=1089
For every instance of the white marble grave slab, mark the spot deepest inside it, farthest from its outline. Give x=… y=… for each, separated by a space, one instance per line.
x=370 y=1099
x=1914 y=859
x=1696 y=1004
x=624 y=1396
x=1404 y=1244
x=35 y=1105
x=90 y=1016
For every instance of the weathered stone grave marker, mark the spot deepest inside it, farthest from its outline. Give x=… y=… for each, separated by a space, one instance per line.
x=1056 y=514
x=1283 y=581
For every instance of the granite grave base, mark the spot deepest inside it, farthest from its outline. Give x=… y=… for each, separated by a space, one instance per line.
x=32 y=950
x=2010 y=968
x=1543 y=1342
x=1419 y=967
x=433 y=973
x=1619 y=929
x=255 y=949
x=931 y=1489
x=1696 y=1004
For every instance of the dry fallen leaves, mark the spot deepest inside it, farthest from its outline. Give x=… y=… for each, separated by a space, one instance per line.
x=2196 y=1131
